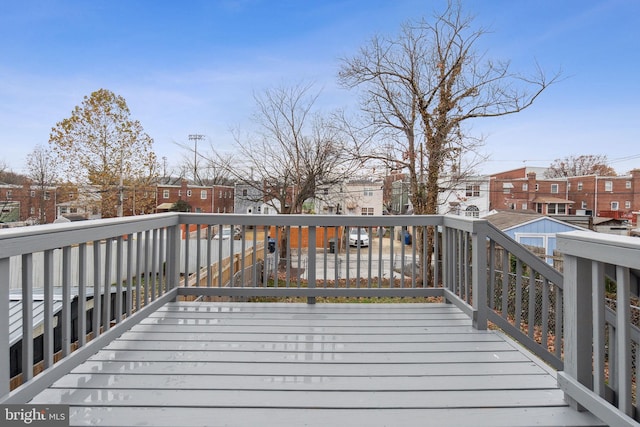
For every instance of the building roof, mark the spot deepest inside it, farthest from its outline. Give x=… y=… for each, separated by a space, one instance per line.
x=504 y=220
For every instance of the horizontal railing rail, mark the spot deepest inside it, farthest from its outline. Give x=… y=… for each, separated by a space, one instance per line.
x=601 y=342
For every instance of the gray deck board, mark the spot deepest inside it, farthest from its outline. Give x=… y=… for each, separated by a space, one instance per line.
x=296 y=364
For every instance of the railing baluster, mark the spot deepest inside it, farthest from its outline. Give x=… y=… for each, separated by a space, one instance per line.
x=545 y=313
x=311 y=267
x=598 y=303
x=623 y=321
x=48 y=348
x=148 y=280
x=518 y=296
x=532 y=303
x=559 y=308
x=27 y=317
x=119 y=270
x=154 y=264
x=129 y=299
x=97 y=301
x=209 y=256
x=82 y=297
x=5 y=360
x=139 y=267
x=187 y=250
x=492 y=275
x=199 y=254
x=106 y=297
x=66 y=301
x=505 y=282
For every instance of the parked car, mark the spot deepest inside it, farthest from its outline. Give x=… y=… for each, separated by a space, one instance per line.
x=358 y=237
x=226 y=234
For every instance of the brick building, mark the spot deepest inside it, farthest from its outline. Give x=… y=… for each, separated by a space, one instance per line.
x=27 y=204
x=598 y=196
x=205 y=199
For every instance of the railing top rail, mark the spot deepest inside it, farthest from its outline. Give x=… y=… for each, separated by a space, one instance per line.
x=17 y=241
x=312 y=220
x=612 y=249
x=530 y=258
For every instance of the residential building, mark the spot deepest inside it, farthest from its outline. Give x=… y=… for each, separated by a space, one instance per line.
x=200 y=198
x=27 y=204
x=597 y=196
x=466 y=197
x=363 y=197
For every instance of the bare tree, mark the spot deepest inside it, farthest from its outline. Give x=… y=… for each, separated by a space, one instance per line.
x=294 y=151
x=588 y=164
x=422 y=87
x=43 y=173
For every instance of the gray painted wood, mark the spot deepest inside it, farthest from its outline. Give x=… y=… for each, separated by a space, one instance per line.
x=296 y=364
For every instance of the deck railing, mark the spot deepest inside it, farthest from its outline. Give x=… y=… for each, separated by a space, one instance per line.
x=601 y=341
x=146 y=261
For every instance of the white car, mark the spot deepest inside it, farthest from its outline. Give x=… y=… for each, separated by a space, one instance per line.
x=358 y=237
x=226 y=234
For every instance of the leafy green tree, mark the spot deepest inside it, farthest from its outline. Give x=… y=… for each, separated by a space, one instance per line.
x=99 y=144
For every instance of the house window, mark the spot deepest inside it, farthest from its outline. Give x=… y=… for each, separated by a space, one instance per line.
x=368 y=192
x=627 y=184
x=506 y=187
x=627 y=204
x=614 y=206
x=33 y=193
x=165 y=194
x=198 y=210
x=562 y=209
x=539 y=207
x=32 y=211
x=583 y=205
x=579 y=186
x=537 y=187
x=551 y=208
x=367 y=211
x=472 y=191
x=9 y=194
x=554 y=188
x=179 y=193
x=472 y=211
x=525 y=187
x=47 y=195
x=188 y=193
x=203 y=194
x=608 y=186
x=524 y=206
x=325 y=191
x=244 y=192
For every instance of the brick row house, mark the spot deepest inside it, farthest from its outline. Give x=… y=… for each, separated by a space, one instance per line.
x=199 y=198
x=27 y=204
x=615 y=197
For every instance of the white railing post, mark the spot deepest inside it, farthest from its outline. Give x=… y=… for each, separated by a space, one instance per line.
x=479 y=275
x=173 y=256
x=578 y=322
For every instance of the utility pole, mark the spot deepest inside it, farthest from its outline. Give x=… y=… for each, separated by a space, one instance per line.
x=195 y=138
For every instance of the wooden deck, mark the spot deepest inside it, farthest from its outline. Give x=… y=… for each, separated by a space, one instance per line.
x=248 y=364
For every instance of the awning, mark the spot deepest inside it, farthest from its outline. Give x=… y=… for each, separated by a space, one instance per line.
x=166 y=206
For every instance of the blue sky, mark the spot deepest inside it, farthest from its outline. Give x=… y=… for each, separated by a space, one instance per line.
x=192 y=66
